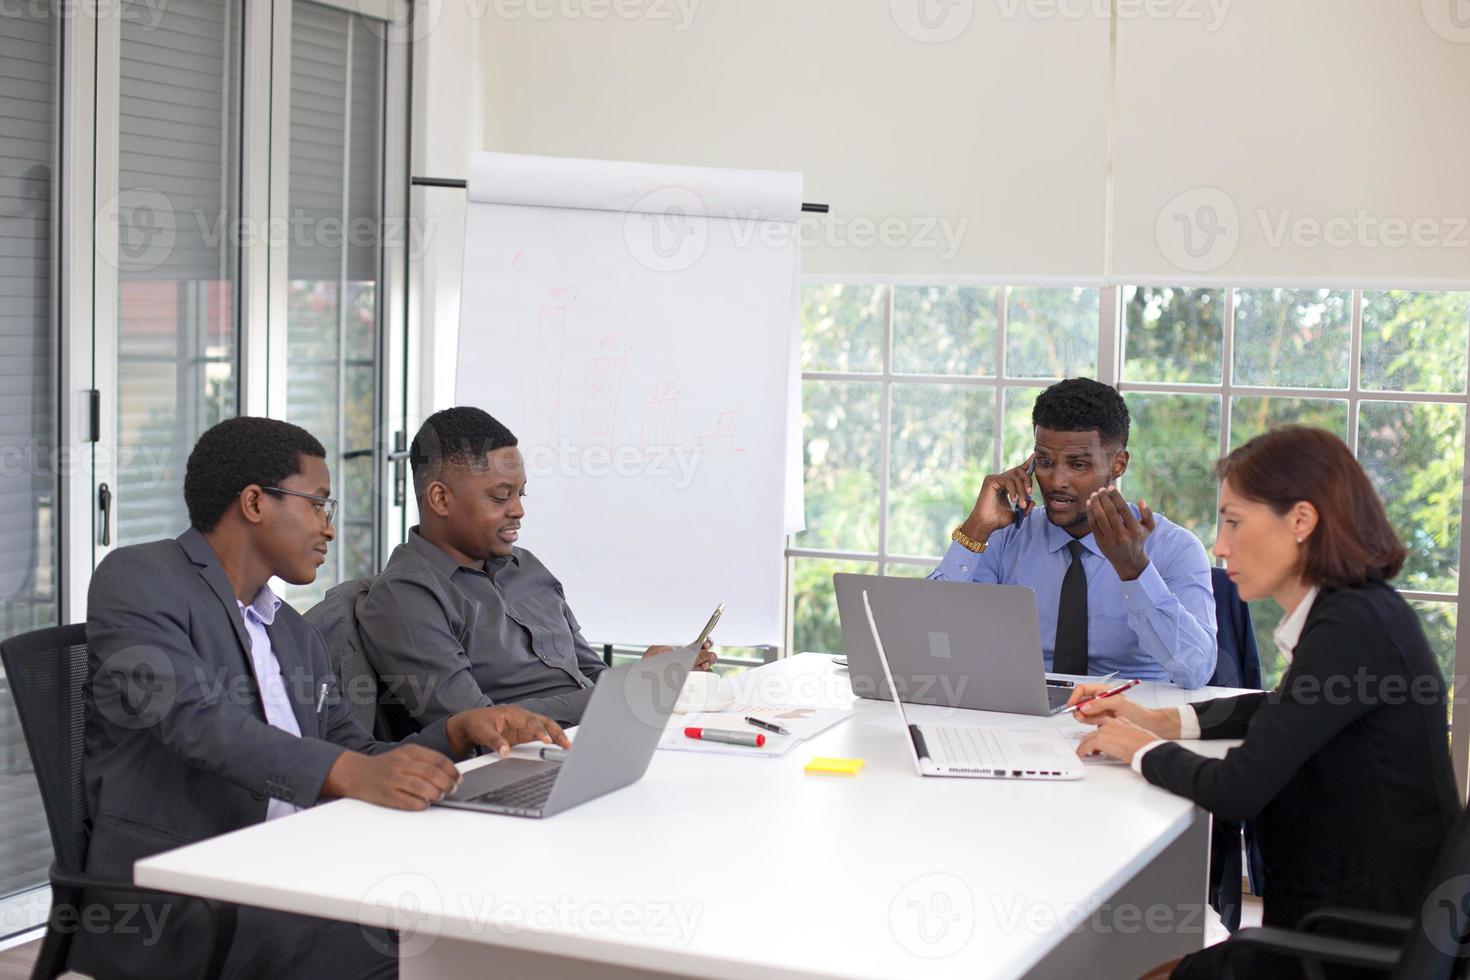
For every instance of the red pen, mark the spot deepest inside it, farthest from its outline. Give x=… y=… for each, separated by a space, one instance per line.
x=1108 y=693
x=755 y=739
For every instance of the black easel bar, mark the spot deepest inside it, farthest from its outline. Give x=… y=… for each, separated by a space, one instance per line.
x=461 y=183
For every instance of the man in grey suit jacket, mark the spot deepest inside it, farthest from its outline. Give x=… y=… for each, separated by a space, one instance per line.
x=211 y=707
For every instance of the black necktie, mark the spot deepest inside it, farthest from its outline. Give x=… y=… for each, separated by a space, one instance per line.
x=1071 y=652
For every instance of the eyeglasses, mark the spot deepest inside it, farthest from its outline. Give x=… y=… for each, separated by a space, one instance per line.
x=326 y=505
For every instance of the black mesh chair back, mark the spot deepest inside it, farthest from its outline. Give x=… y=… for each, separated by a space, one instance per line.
x=47 y=673
x=47 y=670
x=1437 y=948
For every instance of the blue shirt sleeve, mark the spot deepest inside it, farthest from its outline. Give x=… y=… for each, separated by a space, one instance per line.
x=1171 y=608
x=960 y=564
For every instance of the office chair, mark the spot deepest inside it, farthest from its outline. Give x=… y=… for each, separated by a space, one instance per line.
x=1434 y=945
x=47 y=670
x=1238 y=664
x=335 y=620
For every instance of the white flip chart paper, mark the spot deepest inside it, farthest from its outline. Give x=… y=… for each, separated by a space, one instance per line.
x=635 y=325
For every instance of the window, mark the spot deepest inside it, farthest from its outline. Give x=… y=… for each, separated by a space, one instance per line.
x=913 y=393
x=1384 y=370
x=334 y=268
x=29 y=490
x=178 y=171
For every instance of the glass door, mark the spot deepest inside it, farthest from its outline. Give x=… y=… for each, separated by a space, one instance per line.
x=175 y=328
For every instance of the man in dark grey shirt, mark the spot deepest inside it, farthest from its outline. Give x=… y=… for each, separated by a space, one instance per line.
x=460 y=617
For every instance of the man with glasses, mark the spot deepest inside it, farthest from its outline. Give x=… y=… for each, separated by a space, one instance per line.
x=212 y=706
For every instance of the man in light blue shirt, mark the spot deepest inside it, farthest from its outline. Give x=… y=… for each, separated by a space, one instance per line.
x=1118 y=588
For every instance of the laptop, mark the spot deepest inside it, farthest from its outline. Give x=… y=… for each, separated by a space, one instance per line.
x=953 y=644
x=620 y=729
x=982 y=753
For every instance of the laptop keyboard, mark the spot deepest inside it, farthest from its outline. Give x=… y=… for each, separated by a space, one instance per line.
x=964 y=746
x=530 y=793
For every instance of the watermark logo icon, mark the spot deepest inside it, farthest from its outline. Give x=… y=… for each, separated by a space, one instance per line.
x=416 y=23
x=135 y=688
x=667 y=230
x=1198 y=230
x=1450 y=19
x=409 y=903
x=1446 y=914
x=933 y=916
x=932 y=21
x=144 y=220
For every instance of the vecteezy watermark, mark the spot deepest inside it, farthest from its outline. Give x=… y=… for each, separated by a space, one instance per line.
x=141 y=922
x=1363 y=229
x=1445 y=914
x=145 y=224
x=932 y=21
x=1209 y=13
x=149 y=228
x=933 y=916
x=673 y=464
x=409 y=903
x=148 y=13
x=135 y=688
x=669 y=230
x=1450 y=19
x=678 y=13
x=1198 y=230
x=675 y=923
x=1013 y=914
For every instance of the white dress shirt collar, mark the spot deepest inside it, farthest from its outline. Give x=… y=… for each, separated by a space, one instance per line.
x=1289 y=631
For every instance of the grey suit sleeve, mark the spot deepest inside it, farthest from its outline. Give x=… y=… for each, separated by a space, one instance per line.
x=408 y=640
x=146 y=674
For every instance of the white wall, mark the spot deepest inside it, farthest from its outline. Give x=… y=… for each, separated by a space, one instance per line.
x=1315 y=141
x=448 y=106
x=975 y=144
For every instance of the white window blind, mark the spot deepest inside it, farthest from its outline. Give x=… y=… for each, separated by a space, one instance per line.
x=178 y=181
x=28 y=139
x=334 y=264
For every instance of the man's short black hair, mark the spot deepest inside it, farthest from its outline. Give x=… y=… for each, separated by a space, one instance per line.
x=236 y=453
x=1080 y=404
x=460 y=436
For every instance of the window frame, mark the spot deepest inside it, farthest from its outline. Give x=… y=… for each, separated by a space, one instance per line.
x=1111 y=370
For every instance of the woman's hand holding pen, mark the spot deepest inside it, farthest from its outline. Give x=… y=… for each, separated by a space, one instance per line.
x=1159 y=723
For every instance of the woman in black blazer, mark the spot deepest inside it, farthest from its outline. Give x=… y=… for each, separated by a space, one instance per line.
x=1345 y=767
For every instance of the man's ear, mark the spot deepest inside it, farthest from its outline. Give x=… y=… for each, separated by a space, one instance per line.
x=436 y=498
x=249 y=503
x=1120 y=464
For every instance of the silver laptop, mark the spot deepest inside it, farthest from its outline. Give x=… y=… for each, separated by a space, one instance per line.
x=620 y=730
x=954 y=644
x=985 y=753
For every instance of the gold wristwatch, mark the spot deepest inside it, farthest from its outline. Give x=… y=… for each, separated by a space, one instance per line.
x=976 y=546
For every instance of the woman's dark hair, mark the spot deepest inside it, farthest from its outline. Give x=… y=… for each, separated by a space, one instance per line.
x=1353 y=542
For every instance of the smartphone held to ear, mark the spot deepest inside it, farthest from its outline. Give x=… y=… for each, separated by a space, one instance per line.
x=709 y=627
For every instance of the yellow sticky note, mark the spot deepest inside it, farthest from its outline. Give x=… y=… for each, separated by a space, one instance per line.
x=835 y=767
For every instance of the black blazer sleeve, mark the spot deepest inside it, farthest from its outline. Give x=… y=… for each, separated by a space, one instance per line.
x=1321 y=694
x=1227 y=717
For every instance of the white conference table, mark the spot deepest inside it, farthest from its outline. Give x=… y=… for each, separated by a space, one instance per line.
x=718 y=866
